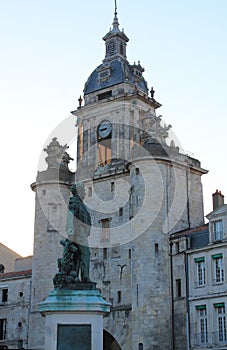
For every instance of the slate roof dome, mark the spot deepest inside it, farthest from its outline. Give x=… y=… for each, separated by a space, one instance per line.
x=115 y=68
x=118 y=71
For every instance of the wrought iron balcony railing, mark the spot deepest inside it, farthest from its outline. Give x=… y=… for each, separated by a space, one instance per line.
x=219 y=337
x=212 y=338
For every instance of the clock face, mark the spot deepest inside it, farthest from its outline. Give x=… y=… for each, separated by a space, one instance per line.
x=104 y=129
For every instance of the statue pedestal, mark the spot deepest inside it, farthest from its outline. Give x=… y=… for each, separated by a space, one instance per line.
x=74 y=319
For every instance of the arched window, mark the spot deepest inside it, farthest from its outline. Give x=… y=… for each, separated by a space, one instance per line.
x=121 y=49
x=111 y=48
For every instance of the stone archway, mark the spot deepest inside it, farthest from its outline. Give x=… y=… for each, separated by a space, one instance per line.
x=109 y=342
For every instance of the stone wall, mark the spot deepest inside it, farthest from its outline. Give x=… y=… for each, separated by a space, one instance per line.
x=17 y=306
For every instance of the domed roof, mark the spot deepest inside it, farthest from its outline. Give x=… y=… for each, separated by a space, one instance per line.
x=115 y=68
x=115 y=72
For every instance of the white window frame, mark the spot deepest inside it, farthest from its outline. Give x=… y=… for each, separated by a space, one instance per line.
x=202 y=325
x=221 y=323
x=217 y=227
x=200 y=272
x=218 y=267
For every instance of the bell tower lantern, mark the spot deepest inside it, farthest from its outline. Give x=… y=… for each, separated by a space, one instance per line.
x=116 y=40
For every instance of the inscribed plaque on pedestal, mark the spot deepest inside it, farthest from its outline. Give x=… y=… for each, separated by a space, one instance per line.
x=71 y=337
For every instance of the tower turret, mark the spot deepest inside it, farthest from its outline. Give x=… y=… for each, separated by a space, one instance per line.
x=52 y=189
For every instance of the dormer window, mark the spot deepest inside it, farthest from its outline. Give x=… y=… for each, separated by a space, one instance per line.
x=104 y=75
x=217 y=229
x=137 y=73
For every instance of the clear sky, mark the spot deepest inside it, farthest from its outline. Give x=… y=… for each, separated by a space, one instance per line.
x=50 y=47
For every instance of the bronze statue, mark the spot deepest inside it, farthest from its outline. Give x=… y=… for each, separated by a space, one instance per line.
x=78 y=228
x=69 y=262
x=74 y=265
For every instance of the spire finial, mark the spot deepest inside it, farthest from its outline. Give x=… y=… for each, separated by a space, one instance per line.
x=115 y=22
x=115 y=13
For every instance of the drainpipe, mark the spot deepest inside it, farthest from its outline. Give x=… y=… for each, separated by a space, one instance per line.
x=172 y=301
x=171 y=261
x=188 y=327
x=188 y=200
x=29 y=310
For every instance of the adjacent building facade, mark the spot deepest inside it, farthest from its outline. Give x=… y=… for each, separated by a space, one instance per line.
x=199 y=282
x=15 y=303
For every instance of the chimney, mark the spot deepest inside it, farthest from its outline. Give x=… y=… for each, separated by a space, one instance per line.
x=218 y=199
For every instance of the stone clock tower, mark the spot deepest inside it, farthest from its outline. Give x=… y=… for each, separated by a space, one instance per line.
x=140 y=189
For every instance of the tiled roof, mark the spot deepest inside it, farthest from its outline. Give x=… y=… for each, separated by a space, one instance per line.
x=189 y=232
x=13 y=275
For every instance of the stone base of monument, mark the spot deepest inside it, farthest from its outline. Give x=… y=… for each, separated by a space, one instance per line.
x=74 y=319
